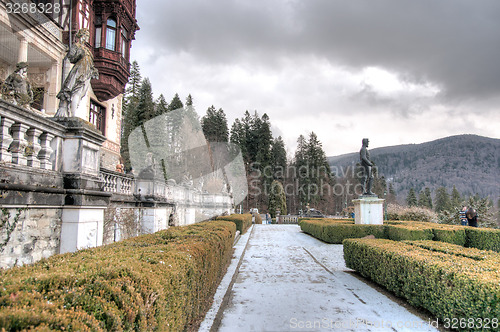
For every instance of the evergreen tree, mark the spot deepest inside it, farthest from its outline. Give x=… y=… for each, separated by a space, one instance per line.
x=145 y=105
x=161 y=105
x=442 y=200
x=424 y=198
x=175 y=104
x=411 y=199
x=277 y=199
x=238 y=137
x=129 y=112
x=456 y=198
x=278 y=158
x=214 y=125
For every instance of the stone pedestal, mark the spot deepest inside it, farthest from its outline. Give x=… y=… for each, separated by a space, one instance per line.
x=82 y=227
x=84 y=202
x=369 y=210
x=154 y=219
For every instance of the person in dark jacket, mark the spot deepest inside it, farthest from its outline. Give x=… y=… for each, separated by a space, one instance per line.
x=471 y=217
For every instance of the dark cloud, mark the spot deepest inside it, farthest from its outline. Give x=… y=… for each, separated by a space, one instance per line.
x=454 y=44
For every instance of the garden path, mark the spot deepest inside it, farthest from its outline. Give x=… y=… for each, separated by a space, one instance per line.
x=284 y=280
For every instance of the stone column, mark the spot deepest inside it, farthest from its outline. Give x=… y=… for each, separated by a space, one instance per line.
x=33 y=147
x=5 y=140
x=45 y=151
x=23 y=51
x=19 y=144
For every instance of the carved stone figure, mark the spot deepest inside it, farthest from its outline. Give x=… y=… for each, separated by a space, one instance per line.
x=367 y=165
x=17 y=88
x=77 y=82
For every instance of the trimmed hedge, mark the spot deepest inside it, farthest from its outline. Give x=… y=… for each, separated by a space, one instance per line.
x=414 y=231
x=483 y=238
x=163 y=281
x=242 y=221
x=457 y=250
x=448 y=285
x=258 y=219
x=336 y=230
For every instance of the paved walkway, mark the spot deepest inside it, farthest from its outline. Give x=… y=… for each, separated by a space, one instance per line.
x=288 y=281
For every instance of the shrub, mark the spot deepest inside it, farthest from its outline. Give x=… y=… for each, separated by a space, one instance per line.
x=449 y=234
x=258 y=218
x=162 y=281
x=336 y=230
x=398 y=212
x=483 y=238
x=242 y=221
x=448 y=285
x=409 y=231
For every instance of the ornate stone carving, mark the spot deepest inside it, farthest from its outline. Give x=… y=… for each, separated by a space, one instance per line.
x=77 y=82
x=17 y=88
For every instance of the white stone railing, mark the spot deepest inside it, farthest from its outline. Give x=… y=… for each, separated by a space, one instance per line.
x=288 y=219
x=28 y=138
x=117 y=183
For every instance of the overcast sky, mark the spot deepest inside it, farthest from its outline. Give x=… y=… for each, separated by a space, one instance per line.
x=395 y=71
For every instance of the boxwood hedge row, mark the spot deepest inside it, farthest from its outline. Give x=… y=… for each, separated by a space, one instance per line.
x=242 y=221
x=448 y=280
x=163 y=282
x=335 y=231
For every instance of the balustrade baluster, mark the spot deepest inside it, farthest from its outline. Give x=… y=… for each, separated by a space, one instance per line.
x=5 y=140
x=33 y=147
x=45 y=151
x=19 y=144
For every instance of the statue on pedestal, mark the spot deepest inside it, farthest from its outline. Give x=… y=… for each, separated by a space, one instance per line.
x=77 y=82
x=367 y=165
x=17 y=88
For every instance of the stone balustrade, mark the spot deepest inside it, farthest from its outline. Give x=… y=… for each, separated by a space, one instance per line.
x=28 y=138
x=288 y=219
x=117 y=183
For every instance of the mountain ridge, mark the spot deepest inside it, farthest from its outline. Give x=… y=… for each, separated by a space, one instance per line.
x=469 y=162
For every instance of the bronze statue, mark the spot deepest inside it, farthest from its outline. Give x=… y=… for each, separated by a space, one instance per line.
x=77 y=82
x=367 y=165
x=17 y=88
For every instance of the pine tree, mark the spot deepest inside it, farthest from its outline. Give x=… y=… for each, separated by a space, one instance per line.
x=442 y=200
x=145 y=105
x=424 y=199
x=428 y=195
x=175 y=104
x=214 y=125
x=277 y=199
x=456 y=198
x=411 y=199
x=161 y=105
x=129 y=112
x=278 y=158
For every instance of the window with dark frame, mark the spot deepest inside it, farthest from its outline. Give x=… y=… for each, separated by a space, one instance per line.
x=111 y=34
x=125 y=48
x=97 y=116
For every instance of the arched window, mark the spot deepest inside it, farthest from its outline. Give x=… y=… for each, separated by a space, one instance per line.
x=110 y=34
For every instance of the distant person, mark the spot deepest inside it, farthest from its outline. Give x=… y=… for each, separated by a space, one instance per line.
x=463 y=217
x=471 y=217
x=268 y=218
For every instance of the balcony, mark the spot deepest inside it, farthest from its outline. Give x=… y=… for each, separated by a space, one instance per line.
x=114 y=71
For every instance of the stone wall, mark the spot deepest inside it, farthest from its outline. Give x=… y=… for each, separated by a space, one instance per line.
x=29 y=234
